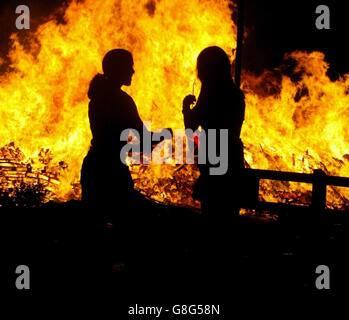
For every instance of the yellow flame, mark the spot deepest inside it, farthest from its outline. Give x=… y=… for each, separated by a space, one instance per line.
x=43 y=102
x=311 y=132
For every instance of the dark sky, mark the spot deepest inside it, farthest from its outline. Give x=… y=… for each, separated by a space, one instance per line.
x=274 y=27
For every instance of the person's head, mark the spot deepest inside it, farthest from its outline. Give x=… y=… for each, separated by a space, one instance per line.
x=117 y=65
x=213 y=65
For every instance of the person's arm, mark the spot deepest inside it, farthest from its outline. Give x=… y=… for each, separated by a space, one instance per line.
x=137 y=124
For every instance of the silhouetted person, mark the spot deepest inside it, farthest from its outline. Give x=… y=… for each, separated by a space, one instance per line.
x=106 y=181
x=107 y=186
x=220 y=105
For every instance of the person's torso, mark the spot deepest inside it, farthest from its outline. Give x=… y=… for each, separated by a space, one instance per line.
x=222 y=118
x=109 y=116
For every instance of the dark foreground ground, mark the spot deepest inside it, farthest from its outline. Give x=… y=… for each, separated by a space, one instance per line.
x=167 y=255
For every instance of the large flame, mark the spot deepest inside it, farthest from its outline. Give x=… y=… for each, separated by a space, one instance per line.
x=44 y=104
x=303 y=127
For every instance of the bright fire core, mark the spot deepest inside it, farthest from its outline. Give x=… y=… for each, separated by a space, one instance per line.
x=43 y=100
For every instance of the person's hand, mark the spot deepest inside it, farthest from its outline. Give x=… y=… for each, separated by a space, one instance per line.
x=187 y=102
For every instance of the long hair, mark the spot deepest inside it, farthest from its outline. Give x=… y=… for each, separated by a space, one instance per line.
x=113 y=64
x=213 y=65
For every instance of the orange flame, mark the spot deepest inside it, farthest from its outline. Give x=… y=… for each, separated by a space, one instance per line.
x=44 y=104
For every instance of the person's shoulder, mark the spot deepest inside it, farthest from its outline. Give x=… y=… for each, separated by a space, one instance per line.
x=126 y=97
x=124 y=94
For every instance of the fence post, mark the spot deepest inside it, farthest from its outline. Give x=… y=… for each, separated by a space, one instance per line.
x=318 y=201
x=250 y=187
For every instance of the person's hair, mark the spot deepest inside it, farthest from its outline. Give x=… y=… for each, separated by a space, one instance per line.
x=213 y=64
x=115 y=60
x=114 y=63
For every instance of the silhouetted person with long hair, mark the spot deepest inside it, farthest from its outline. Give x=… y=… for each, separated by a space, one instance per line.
x=106 y=181
x=220 y=105
x=107 y=186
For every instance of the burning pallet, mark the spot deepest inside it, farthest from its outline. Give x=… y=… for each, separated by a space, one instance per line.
x=22 y=186
x=13 y=171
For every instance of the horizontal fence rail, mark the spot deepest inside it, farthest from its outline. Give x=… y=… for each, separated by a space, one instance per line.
x=319 y=180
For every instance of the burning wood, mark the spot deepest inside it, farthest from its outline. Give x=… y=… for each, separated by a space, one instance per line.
x=300 y=121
